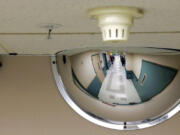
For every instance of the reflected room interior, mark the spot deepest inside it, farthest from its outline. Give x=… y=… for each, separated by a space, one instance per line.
x=120 y=77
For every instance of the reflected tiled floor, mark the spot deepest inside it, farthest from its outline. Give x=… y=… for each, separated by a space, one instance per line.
x=116 y=88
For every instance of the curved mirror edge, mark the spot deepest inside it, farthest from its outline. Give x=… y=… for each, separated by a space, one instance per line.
x=118 y=125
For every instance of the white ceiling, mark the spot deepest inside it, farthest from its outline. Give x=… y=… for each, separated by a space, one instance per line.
x=20 y=22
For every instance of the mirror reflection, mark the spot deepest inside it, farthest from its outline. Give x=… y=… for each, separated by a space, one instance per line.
x=121 y=78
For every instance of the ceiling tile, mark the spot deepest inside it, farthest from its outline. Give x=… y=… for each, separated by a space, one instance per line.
x=27 y=15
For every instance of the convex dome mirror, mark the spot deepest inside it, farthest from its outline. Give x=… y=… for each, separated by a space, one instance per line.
x=120 y=88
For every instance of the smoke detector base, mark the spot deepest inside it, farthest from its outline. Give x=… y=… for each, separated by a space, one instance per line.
x=115 y=21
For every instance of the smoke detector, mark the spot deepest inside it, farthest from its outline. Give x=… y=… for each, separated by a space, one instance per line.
x=115 y=21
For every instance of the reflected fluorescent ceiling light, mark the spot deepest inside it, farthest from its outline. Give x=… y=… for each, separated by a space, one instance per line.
x=115 y=21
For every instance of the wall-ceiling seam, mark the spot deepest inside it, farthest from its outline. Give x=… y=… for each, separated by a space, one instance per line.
x=83 y=33
x=27 y=54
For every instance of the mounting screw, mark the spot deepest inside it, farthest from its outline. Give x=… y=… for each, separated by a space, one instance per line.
x=125 y=126
x=54 y=62
x=0 y=64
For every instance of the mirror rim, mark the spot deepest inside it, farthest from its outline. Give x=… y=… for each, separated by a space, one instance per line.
x=118 y=125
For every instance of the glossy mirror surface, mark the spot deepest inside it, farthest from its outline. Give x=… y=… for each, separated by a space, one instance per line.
x=113 y=83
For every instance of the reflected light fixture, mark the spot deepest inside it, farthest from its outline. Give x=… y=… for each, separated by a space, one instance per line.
x=115 y=21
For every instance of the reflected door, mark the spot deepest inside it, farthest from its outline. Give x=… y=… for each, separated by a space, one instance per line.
x=97 y=67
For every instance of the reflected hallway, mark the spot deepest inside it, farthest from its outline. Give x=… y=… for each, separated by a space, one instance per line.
x=116 y=88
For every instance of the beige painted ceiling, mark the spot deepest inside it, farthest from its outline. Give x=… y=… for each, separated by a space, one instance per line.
x=21 y=21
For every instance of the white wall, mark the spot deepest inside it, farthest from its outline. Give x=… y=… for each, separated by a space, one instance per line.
x=83 y=67
x=129 y=61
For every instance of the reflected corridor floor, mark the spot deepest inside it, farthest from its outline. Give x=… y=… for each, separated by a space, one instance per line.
x=116 y=89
